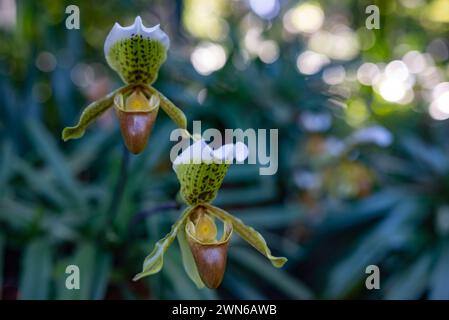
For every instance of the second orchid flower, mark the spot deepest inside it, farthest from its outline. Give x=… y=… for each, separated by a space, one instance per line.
x=200 y=171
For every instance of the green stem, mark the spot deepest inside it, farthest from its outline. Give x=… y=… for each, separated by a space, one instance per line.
x=118 y=189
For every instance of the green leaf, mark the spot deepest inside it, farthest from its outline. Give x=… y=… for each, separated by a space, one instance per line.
x=2 y=258
x=102 y=275
x=187 y=259
x=84 y=258
x=36 y=271
x=289 y=285
x=439 y=281
x=87 y=151
x=242 y=287
x=275 y=216
x=184 y=288
x=45 y=145
x=431 y=156
x=412 y=282
x=155 y=260
x=250 y=235
x=261 y=193
x=170 y=109
x=90 y=114
x=5 y=165
x=349 y=272
x=39 y=182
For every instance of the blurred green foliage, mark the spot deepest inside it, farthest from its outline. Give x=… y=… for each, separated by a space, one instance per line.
x=342 y=199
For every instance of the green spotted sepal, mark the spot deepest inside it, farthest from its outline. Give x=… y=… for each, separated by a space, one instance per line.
x=201 y=170
x=136 y=52
x=200 y=182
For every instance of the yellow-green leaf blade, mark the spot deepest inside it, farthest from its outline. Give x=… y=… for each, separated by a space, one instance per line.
x=250 y=235
x=155 y=260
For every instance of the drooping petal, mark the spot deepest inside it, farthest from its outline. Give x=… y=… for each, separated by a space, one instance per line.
x=176 y=114
x=250 y=235
x=155 y=260
x=136 y=52
x=90 y=114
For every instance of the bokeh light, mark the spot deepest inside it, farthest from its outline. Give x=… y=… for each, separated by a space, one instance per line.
x=310 y=62
x=341 y=44
x=307 y=17
x=82 y=75
x=334 y=75
x=205 y=18
x=8 y=14
x=208 y=57
x=368 y=73
x=269 y=51
x=439 y=108
x=267 y=9
x=46 y=61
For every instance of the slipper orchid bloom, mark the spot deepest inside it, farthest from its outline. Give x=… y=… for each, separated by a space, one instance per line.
x=200 y=171
x=136 y=53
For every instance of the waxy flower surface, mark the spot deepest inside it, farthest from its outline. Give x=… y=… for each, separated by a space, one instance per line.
x=200 y=171
x=136 y=53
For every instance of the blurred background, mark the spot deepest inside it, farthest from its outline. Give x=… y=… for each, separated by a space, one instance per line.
x=363 y=148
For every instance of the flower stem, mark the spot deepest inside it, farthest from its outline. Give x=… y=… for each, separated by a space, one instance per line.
x=119 y=188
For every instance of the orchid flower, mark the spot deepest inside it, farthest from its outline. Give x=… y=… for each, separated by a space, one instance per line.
x=200 y=171
x=136 y=53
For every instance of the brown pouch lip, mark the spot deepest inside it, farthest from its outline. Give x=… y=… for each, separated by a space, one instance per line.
x=210 y=258
x=136 y=127
x=210 y=261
